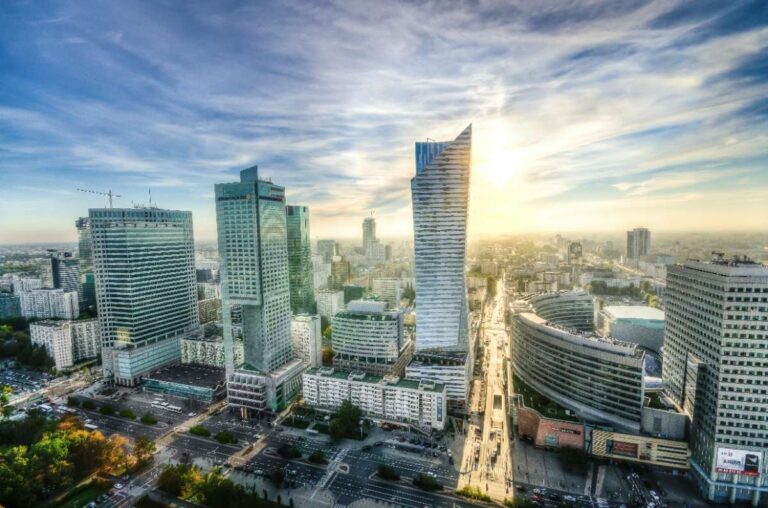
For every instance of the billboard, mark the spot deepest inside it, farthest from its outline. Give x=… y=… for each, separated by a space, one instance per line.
x=743 y=462
x=625 y=449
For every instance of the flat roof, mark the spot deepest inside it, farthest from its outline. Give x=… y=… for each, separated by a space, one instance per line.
x=635 y=312
x=195 y=375
x=362 y=377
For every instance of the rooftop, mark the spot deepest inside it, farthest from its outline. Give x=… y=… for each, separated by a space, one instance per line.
x=412 y=384
x=208 y=377
x=634 y=312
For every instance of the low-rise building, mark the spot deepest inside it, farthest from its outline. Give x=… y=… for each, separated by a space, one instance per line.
x=49 y=303
x=449 y=368
x=388 y=289
x=633 y=323
x=329 y=302
x=208 y=309
x=252 y=392
x=196 y=382
x=641 y=449
x=421 y=403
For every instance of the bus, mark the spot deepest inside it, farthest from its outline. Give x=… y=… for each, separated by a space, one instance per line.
x=312 y=431
x=91 y=426
x=174 y=409
x=157 y=405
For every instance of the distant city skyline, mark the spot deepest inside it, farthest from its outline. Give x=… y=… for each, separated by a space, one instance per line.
x=590 y=117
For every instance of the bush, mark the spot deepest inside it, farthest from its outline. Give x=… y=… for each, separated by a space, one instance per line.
x=321 y=428
x=317 y=457
x=107 y=410
x=386 y=472
x=298 y=423
x=289 y=452
x=277 y=476
x=225 y=437
x=518 y=502
x=127 y=413
x=199 y=430
x=473 y=492
x=88 y=404
x=148 y=419
x=426 y=482
x=73 y=402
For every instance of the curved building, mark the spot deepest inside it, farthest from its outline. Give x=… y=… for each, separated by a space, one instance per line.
x=571 y=309
x=368 y=338
x=600 y=379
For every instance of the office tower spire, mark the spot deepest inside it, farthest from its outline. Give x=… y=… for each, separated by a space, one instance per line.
x=440 y=192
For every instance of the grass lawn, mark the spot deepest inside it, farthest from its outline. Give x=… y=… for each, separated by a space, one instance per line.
x=84 y=494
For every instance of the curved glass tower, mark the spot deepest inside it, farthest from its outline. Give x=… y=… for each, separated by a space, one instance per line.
x=440 y=193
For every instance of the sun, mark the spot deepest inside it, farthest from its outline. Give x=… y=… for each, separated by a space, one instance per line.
x=495 y=157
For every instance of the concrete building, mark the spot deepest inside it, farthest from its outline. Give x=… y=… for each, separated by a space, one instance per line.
x=572 y=309
x=638 y=243
x=390 y=290
x=329 y=302
x=387 y=399
x=208 y=310
x=639 y=449
x=49 y=303
x=144 y=263
x=715 y=368
x=600 y=379
x=633 y=323
x=369 y=232
x=307 y=339
x=449 y=368
x=254 y=271
x=300 y=272
x=65 y=271
x=197 y=382
x=375 y=253
x=341 y=272
x=353 y=292
x=368 y=338
x=327 y=249
x=24 y=284
x=67 y=342
x=209 y=351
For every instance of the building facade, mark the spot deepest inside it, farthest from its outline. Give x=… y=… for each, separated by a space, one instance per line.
x=65 y=270
x=209 y=352
x=208 y=310
x=368 y=338
x=716 y=369
x=300 y=271
x=329 y=302
x=390 y=290
x=85 y=256
x=67 y=342
x=638 y=243
x=388 y=399
x=452 y=369
x=49 y=303
x=369 y=232
x=307 y=339
x=633 y=323
x=144 y=263
x=10 y=306
x=327 y=249
x=571 y=309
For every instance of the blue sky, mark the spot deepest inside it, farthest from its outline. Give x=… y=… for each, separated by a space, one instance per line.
x=586 y=115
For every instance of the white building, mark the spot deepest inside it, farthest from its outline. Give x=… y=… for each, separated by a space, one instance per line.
x=633 y=323
x=209 y=352
x=22 y=284
x=49 y=303
x=386 y=399
x=451 y=369
x=329 y=302
x=390 y=290
x=307 y=339
x=67 y=342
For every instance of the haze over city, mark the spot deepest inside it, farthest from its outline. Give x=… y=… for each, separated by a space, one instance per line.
x=587 y=117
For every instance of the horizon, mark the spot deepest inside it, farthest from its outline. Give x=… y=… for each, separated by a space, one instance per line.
x=587 y=118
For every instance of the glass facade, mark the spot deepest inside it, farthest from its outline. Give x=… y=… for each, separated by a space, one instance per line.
x=300 y=260
x=85 y=256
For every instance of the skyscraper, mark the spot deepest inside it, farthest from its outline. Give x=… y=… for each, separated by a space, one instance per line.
x=369 y=232
x=253 y=251
x=300 y=270
x=327 y=249
x=440 y=192
x=65 y=270
x=715 y=368
x=144 y=262
x=85 y=256
x=638 y=243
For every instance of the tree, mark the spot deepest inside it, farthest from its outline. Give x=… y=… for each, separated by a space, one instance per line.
x=289 y=452
x=347 y=422
x=327 y=356
x=199 y=430
x=127 y=413
x=180 y=480
x=386 y=472
x=317 y=457
x=88 y=404
x=328 y=334
x=144 y=448
x=225 y=437
x=5 y=398
x=426 y=482
x=148 y=419
x=73 y=401
x=107 y=410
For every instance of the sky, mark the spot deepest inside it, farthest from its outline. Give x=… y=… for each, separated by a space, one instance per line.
x=587 y=116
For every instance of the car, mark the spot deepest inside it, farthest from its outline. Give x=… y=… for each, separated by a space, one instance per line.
x=366 y=448
x=535 y=498
x=92 y=504
x=569 y=499
x=554 y=496
x=537 y=491
x=119 y=486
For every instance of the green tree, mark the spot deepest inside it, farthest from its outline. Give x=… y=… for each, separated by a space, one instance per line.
x=148 y=419
x=127 y=413
x=386 y=472
x=225 y=437
x=144 y=448
x=5 y=398
x=107 y=410
x=426 y=482
x=317 y=457
x=180 y=480
x=88 y=404
x=199 y=430
x=327 y=356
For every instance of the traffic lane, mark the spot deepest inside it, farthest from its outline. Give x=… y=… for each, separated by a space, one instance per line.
x=348 y=489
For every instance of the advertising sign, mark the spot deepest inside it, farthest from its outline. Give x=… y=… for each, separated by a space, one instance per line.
x=743 y=462
x=626 y=449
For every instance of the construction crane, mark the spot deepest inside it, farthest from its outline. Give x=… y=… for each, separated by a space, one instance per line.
x=108 y=193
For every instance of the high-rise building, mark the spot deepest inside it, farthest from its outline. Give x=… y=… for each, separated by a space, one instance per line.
x=85 y=256
x=440 y=192
x=327 y=249
x=369 y=232
x=307 y=339
x=144 y=263
x=341 y=272
x=49 y=303
x=67 y=342
x=329 y=302
x=65 y=270
x=254 y=272
x=368 y=338
x=715 y=368
x=638 y=243
x=301 y=274
x=10 y=306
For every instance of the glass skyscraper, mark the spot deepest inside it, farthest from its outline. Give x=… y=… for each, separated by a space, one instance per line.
x=254 y=271
x=144 y=262
x=440 y=193
x=85 y=255
x=300 y=269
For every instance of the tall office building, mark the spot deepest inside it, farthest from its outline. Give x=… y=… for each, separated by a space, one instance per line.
x=440 y=192
x=716 y=369
x=301 y=274
x=638 y=243
x=85 y=256
x=144 y=263
x=388 y=289
x=341 y=272
x=253 y=251
x=65 y=270
x=369 y=232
